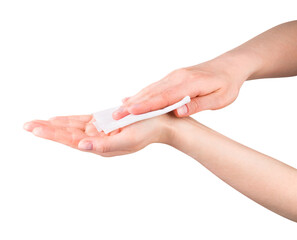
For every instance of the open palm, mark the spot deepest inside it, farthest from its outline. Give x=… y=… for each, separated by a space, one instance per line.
x=79 y=132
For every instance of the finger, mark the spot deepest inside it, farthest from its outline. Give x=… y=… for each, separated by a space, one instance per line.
x=149 y=92
x=70 y=138
x=172 y=84
x=69 y=128
x=198 y=104
x=29 y=126
x=103 y=145
x=125 y=99
x=120 y=113
x=61 y=122
x=158 y=102
x=143 y=95
x=163 y=99
x=114 y=132
x=92 y=131
x=67 y=122
x=82 y=118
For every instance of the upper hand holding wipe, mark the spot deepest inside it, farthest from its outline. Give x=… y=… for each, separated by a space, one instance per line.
x=215 y=84
x=210 y=86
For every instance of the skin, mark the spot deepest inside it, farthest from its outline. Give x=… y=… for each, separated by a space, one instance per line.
x=78 y=132
x=263 y=179
x=211 y=85
x=216 y=83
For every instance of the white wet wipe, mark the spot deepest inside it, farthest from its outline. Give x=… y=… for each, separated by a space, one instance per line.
x=105 y=122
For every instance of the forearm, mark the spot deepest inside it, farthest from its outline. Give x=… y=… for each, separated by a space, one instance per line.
x=265 y=180
x=270 y=54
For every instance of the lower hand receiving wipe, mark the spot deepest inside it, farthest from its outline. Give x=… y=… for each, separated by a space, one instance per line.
x=104 y=120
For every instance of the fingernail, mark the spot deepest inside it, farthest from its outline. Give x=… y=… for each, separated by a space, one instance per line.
x=28 y=126
x=182 y=110
x=119 y=110
x=85 y=145
x=37 y=131
x=117 y=113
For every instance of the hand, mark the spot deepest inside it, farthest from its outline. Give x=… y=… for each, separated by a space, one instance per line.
x=211 y=85
x=79 y=132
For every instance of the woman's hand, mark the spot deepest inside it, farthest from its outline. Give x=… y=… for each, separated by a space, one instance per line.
x=80 y=133
x=211 y=85
x=216 y=83
x=253 y=174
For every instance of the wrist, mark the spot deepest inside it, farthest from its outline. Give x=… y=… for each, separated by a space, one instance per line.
x=164 y=129
x=169 y=129
x=182 y=133
x=240 y=64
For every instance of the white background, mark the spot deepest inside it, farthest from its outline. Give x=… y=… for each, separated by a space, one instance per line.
x=77 y=57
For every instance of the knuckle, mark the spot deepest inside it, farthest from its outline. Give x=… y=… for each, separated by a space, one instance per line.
x=166 y=97
x=192 y=76
x=149 y=95
x=102 y=148
x=143 y=92
x=193 y=106
x=174 y=72
x=180 y=72
x=75 y=138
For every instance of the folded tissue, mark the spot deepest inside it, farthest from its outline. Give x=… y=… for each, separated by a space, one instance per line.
x=105 y=122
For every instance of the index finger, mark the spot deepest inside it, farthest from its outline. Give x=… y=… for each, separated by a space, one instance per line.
x=157 y=102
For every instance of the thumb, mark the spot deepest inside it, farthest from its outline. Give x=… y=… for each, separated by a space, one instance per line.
x=198 y=104
x=102 y=145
